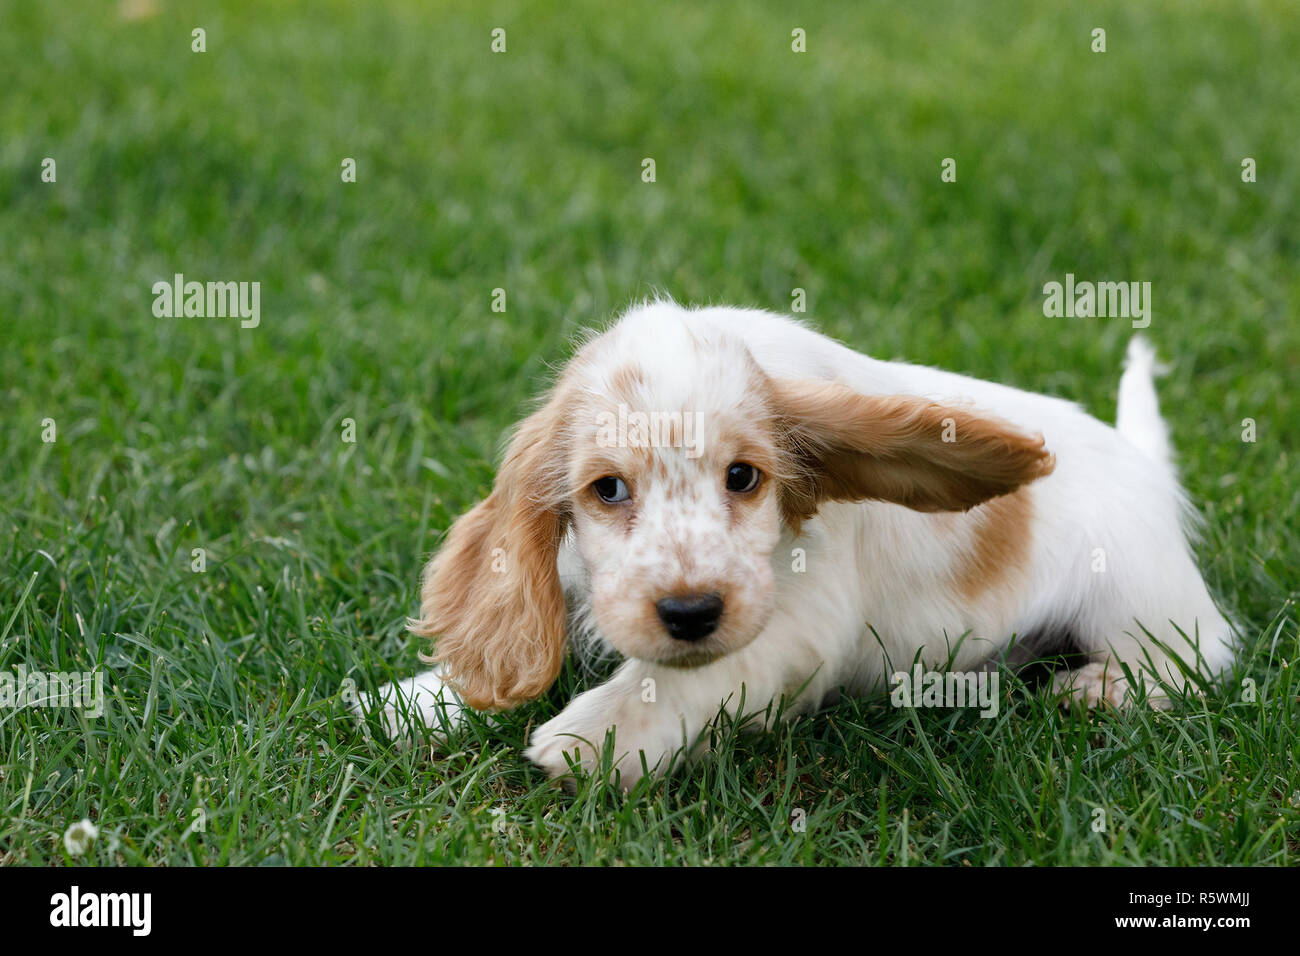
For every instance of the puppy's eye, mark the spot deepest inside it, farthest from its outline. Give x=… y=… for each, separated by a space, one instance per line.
x=742 y=477
x=610 y=490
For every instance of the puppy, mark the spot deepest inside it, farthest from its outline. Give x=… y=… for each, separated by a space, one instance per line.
x=738 y=505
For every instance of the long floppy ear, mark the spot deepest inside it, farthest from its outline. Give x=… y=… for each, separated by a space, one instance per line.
x=492 y=595
x=847 y=446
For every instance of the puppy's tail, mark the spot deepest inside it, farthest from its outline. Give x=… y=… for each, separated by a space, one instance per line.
x=1138 y=416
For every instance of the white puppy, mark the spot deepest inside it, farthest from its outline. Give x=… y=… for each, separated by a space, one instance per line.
x=730 y=500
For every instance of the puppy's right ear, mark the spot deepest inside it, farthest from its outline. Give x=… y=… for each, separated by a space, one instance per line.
x=492 y=595
x=905 y=449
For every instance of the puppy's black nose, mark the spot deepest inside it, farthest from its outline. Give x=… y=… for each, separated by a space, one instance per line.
x=690 y=617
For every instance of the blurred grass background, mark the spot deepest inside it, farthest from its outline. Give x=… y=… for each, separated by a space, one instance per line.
x=522 y=170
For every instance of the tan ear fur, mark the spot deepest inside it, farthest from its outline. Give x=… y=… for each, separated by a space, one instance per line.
x=492 y=595
x=847 y=446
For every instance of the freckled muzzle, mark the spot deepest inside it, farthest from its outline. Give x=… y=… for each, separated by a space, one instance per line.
x=690 y=617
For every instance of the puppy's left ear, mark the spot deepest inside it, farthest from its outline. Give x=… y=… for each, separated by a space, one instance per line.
x=846 y=446
x=492 y=595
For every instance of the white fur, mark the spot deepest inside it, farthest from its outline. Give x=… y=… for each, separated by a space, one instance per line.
x=426 y=697
x=878 y=586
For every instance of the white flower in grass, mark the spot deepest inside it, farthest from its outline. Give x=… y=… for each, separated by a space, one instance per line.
x=78 y=837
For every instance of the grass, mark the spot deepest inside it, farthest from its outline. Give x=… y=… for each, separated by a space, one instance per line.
x=521 y=171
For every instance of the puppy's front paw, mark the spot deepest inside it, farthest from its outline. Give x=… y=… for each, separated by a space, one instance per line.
x=581 y=730
x=403 y=706
x=552 y=747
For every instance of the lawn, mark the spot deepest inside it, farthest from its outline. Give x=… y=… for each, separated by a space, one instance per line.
x=200 y=529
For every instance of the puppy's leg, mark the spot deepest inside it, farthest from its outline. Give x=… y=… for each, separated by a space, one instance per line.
x=641 y=719
x=1103 y=683
x=1151 y=670
x=423 y=700
x=1173 y=653
x=659 y=711
x=1151 y=612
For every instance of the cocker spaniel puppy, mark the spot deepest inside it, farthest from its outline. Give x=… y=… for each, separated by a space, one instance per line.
x=735 y=503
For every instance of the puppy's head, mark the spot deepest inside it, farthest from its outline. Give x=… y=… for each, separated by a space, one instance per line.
x=676 y=461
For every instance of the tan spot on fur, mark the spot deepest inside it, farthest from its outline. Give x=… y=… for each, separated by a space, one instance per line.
x=1001 y=546
x=627 y=380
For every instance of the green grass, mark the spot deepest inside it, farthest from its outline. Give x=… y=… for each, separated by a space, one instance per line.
x=522 y=171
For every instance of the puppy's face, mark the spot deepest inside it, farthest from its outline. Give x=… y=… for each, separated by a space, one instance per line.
x=675 y=502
